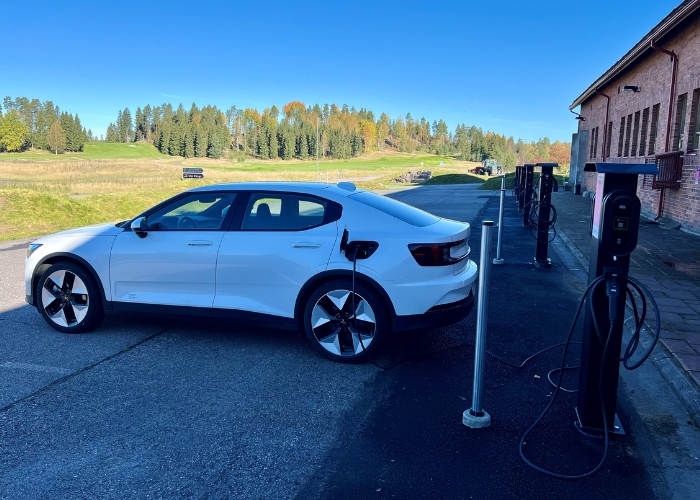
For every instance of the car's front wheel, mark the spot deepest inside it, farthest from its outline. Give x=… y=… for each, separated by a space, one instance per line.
x=69 y=299
x=344 y=328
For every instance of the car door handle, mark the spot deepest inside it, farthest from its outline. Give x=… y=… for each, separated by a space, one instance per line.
x=305 y=244
x=199 y=243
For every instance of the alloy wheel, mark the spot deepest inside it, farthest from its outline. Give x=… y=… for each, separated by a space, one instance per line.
x=65 y=299
x=338 y=328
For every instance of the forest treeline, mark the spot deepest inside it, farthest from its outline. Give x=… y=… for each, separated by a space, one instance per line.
x=293 y=132
x=28 y=123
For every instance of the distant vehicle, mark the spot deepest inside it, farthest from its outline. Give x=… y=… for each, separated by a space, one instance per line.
x=489 y=166
x=275 y=254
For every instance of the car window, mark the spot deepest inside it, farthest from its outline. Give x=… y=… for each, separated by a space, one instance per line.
x=203 y=211
x=279 y=212
x=401 y=211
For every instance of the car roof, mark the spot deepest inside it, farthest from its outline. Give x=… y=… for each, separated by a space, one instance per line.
x=301 y=187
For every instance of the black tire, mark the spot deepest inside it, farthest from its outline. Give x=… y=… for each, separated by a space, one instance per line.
x=80 y=312
x=347 y=336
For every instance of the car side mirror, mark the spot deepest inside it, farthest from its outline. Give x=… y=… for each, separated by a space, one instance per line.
x=139 y=227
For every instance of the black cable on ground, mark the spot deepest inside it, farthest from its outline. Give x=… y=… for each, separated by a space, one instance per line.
x=354 y=316
x=642 y=290
x=556 y=393
x=549 y=377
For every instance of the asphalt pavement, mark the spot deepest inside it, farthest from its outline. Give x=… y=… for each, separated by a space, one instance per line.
x=153 y=408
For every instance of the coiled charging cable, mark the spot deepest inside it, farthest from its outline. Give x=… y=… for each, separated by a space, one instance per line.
x=629 y=352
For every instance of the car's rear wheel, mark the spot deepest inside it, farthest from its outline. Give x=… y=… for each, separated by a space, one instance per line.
x=68 y=298
x=341 y=332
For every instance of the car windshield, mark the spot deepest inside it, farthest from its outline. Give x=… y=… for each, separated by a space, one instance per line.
x=401 y=211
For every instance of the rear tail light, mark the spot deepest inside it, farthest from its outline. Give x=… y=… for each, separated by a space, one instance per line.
x=439 y=254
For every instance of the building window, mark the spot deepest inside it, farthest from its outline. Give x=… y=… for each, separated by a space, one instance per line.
x=694 y=123
x=635 y=134
x=593 y=149
x=678 y=137
x=622 y=136
x=627 y=138
x=654 y=130
x=608 y=140
x=595 y=142
x=643 y=135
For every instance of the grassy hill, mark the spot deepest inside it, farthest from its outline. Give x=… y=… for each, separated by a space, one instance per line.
x=93 y=151
x=42 y=193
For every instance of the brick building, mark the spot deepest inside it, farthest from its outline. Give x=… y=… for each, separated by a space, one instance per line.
x=646 y=108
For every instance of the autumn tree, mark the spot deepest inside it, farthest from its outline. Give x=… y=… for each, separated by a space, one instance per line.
x=13 y=133
x=560 y=153
x=56 y=138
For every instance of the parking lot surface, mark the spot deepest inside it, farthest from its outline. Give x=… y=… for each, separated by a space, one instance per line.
x=152 y=408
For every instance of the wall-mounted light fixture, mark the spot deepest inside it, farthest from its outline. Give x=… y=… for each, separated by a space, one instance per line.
x=578 y=117
x=631 y=88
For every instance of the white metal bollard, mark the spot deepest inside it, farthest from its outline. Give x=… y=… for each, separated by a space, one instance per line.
x=475 y=417
x=499 y=260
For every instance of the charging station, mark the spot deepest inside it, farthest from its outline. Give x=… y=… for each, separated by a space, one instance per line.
x=518 y=183
x=542 y=211
x=615 y=231
x=528 y=192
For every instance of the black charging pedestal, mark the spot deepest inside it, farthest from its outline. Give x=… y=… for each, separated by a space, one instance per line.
x=518 y=183
x=544 y=212
x=615 y=229
x=527 y=192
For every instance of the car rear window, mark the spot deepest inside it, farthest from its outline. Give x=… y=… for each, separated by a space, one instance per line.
x=401 y=211
x=283 y=212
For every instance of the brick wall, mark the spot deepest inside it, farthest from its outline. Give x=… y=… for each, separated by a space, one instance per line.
x=652 y=73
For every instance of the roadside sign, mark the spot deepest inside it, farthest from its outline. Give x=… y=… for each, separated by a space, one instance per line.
x=192 y=173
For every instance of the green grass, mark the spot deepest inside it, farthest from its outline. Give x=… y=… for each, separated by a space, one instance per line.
x=494 y=183
x=412 y=162
x=441 y=179
x=25 y=213
x=92 y=151
x=45 y=193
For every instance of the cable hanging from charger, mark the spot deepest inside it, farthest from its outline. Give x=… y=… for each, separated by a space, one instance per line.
x=620 y=281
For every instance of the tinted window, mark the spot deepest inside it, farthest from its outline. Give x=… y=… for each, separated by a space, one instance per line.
x=290 y=212
x=401 y=211
x=204 y=211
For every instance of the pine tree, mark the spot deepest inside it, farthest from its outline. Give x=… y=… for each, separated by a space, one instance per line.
x=125 y=126
x=112 y=133
x=216 y=146
x=175 y=144
x=188 y=150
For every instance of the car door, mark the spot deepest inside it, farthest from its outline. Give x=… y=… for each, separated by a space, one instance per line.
x=278 y=242
x=175 y=263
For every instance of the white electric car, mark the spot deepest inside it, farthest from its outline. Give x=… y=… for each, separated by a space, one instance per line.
x=273 y=254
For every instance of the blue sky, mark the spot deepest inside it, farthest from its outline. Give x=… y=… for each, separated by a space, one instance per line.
x=507 y=66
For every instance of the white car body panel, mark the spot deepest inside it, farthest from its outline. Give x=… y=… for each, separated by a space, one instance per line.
x=393 y=266
x=92 y=244
x=263 y=271
x=174 y=268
